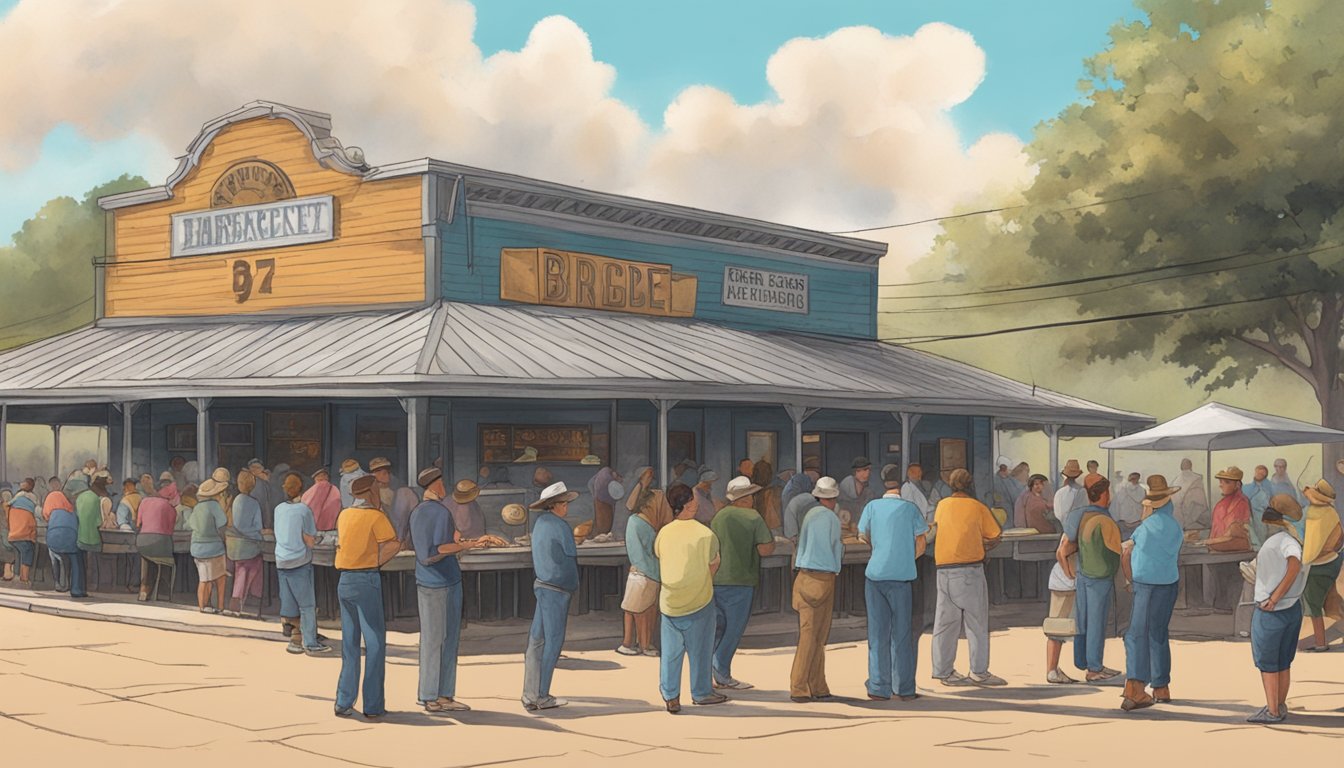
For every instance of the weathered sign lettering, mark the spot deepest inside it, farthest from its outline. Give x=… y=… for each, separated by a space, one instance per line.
x=586 y=281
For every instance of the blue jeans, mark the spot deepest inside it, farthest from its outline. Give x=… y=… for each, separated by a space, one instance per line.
x=544 y=642
x=77 y=568
x=60 y=572
x=732 y=609
x=297 y=600
x=1092 y=605
x=890 y=642
x=691 y=636
x=361 y=596
x=1147 y=649
x=440 y=631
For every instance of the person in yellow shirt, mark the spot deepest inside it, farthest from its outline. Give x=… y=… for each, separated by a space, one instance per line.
x=688 y=558
x=963 y=530
x=366 y=541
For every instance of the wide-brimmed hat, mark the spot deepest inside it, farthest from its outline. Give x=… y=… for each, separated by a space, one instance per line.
x=348 y=466
x=221 y=475
x=466 y=491
x=363 y=484
x=860 y=462
x=1320 y=493
x=591 y=460
x=427 y=476
x=211 y=487
x=528 y=456
x=739 y=487
x=1159 y=491
x=513 y=514
x=1071 y=469
x=959 y=480
x=1287 y=506
x=166 y=475
x=1231 y=473
x=554 y=494
x=379 y=462
x=826 y=488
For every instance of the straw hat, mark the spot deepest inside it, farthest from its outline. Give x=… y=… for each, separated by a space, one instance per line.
x=529 y=455
x=1287 y=506
x=1159 y=491
x=826 y=488
x=514 y=514
x=362 y=485
x=379 y=462
x=1320 y=493
x=348 y=466
x=739 y=487
x=466 y=491
x=591 y=461
x=213 y=486
x=554 y=494
x=427 y=477
x=1071 y=469
x=1231 y=473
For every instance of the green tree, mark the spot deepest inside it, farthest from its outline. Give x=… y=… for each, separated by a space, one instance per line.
x=46 y=276
x=1215 y=129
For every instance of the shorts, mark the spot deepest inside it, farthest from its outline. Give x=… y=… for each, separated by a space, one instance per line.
x=27 y=550
x=1274 y=637
x=1059 y=623
x=1320 y=580
x=211 y=568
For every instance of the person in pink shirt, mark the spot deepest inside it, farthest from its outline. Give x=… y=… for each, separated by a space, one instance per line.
x=1230 y=531
x=158 y=516
x=324 y=499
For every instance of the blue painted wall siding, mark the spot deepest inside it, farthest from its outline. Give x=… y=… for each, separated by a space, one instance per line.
x=842 y=297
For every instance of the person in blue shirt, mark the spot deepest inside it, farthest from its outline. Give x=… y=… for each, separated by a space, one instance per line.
x=555 y=560
x=816 y=563
x=438 y=584
x=896 y=531
x=1259 y=491
x=1150 y=564
x=295 y=533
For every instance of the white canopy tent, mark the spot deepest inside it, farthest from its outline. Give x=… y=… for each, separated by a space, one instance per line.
x=1218 y=427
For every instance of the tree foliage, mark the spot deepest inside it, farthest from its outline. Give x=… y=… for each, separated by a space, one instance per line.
x=46 y=276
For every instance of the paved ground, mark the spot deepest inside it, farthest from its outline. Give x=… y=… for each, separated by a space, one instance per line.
x=89 y=692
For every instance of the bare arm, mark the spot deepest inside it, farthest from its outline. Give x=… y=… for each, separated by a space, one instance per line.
x=766 y=549
x=1066 y=548
x=388 y=550
x=309 y=540
x=1125 y=564
x=714 y=566
x=920 y=546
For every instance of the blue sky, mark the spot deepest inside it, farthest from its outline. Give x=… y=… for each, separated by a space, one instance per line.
x=1034 y=54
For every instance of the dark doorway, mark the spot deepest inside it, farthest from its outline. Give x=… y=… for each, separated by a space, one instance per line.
x=839 y=451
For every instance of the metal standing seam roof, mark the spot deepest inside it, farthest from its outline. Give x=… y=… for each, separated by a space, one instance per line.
x=473 y=350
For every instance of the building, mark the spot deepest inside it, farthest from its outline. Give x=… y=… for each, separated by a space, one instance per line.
x=281 y=298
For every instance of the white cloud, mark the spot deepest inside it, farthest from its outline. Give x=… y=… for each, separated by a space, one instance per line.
x=857 y=133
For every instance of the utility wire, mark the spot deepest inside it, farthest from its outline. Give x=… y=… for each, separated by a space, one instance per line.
x=1271 y=260
x=1087 y=321
x=47 y=316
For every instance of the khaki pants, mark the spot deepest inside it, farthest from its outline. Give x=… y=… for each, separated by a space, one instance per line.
x=813 y=599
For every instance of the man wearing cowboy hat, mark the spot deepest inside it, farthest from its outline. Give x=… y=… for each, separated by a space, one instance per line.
x=555 y=561
x=1071 y=494
x=1150 y=564
x=438 y=580
x=815 y=564
x=743 y=540
x=324 y=499
x=1230 y=531
x=365 y=542
x=965 y=530
x=1321 y=553
x=468 y=519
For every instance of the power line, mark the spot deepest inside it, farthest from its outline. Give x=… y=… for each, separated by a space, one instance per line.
x=1087 y=321
x=47 y=316
x=1271 y=260
x=967 y=214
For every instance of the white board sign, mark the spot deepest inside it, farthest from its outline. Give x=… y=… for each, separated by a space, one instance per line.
x=251 y=227
x=759 y=289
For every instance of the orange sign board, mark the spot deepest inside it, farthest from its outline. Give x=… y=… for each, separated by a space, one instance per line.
x=585 y=281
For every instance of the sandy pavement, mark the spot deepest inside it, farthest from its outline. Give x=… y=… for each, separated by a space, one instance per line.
x=126 y=695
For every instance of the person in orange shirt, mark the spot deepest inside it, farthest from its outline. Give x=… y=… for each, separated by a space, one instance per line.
x=23 y=535
x=366 y=541
x=963 y=530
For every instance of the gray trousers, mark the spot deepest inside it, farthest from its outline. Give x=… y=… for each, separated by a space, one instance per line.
x=963 y=599
x=440 y=631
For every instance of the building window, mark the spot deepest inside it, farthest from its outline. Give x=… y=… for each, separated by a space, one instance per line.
x=182 y=438
x=563 y=444
x=763 y=446
x=294 y=438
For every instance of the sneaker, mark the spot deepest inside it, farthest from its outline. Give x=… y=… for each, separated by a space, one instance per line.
x=956 y=680
x=909 y=697
x=717 y=698
x=294 y=648
x=550 y=702
x=451 y=705
x=344 y=711
x=1057 y=677
x=731 y=684
x=988 y=679
x=874 y=697
x=317 y=650
x=651 y=652
x=1263 y=717
x=626 y=650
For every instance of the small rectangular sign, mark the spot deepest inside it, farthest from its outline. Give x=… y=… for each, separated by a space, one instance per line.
x=253 y=227
x=759 y=289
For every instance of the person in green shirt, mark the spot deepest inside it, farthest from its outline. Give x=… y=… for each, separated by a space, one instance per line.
x=744 y=539
x=1099 y=549
x=89 y=507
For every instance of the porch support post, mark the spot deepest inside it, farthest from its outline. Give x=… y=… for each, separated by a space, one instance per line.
x=908 y=423
x=56 y=450
x=203 y=459
x=1110 y=459
x=798 y=414
x=1052 y=431
x=664 y=406
x=128 y=410
x=994 y=445
x=416 y=412
x=4 y=446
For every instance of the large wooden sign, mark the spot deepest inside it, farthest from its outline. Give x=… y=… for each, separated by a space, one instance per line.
x=585 y=281
x=253 y=227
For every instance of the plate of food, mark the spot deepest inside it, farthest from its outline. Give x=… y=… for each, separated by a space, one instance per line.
x=1010 y=532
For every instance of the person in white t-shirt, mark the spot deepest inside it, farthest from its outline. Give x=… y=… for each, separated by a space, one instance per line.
x=1279 y=581
x=1071 y=495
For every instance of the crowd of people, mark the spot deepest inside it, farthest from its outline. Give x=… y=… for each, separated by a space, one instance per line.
x=695 y=564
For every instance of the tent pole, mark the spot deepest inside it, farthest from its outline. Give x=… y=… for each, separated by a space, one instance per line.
x=1208 y=479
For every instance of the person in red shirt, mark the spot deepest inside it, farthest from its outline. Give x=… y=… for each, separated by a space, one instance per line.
x=324 y=499
x=158 y=516
x=1231 y=515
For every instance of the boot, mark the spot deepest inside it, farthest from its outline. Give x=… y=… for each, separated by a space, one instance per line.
x=1135 y=696
x=1162 y=695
